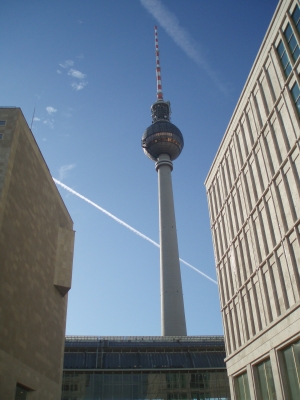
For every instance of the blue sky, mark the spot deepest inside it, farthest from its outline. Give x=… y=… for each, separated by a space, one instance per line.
x=88 y=70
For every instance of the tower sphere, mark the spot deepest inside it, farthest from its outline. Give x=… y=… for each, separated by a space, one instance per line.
x=162 y=137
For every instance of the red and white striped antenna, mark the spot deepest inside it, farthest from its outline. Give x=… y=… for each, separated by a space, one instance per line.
x=159 y=93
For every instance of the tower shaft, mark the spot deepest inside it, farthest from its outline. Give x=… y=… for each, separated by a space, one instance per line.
x=172 y=306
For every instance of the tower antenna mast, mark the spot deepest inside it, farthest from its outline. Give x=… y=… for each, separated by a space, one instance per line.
x=159 y=93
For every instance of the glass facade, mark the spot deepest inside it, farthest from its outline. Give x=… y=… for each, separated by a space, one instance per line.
x=145 y=368
x=266 y=388
x=242 y=387
x=291 y=370
x=189 y=385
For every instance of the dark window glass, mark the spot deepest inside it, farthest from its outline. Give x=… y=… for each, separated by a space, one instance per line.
x=21 y=393
x=296 y=96
x=291 y=367
x=296 y=17
x=2 y=123
x=284 y=59
x=266 y=388
x=288 y=32
x=292 y=42
x=1 y=136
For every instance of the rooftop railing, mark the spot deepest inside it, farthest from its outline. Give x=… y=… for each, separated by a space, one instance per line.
x=219 y=338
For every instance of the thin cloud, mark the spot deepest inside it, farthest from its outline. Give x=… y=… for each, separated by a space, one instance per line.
x=76 y=74
x=67 y=64
x=58 y=71
x=181 y=37
x=78 y=86
x=64 y=170
x=36 y=119
x=49 y=122
x=127 y=226
x=51 y=110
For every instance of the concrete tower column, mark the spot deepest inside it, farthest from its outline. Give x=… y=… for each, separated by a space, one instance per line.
x=172 y=306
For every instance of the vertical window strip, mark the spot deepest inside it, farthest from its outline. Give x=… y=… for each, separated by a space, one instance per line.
x=257 y=297
x=266 y=382
x=284 y=59
x=227 y=337
x=296 y=96
x=242 y=387
x=291 y=368
x=221 y=288
x=237 y=324
x=292 y=42
x=245 y=317
x=239 y=202
x=232 y=330
x=296 y=17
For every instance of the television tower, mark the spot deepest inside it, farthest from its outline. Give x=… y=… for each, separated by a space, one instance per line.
x=162 y=142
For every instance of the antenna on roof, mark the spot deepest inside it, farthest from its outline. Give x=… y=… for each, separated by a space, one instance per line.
x=32 y=119
x=159 y=93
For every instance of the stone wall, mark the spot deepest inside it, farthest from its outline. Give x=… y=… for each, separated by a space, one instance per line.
x=36 y=249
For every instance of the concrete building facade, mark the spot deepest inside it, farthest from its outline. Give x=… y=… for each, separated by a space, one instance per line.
x=36 y=252
x=253 y=192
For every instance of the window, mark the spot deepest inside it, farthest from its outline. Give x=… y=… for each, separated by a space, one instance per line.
x=291 y=370
x=266 y=388
x=21 y=393
x=292 y=42
x=1 y=136
x=242 y=387
x=296 y=96
x=284 y=59
x=2 y=123
x=296 y=17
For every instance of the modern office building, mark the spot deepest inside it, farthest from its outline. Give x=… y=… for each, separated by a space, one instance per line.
x=253 y=190
x=145 y=368
x=36 y=251
x=163 y=142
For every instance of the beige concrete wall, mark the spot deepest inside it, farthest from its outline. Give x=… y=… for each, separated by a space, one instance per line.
x=253 y=190
x=32 y=310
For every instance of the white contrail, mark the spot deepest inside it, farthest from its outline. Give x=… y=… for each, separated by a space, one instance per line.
x=126 y=225
x=181 y=37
